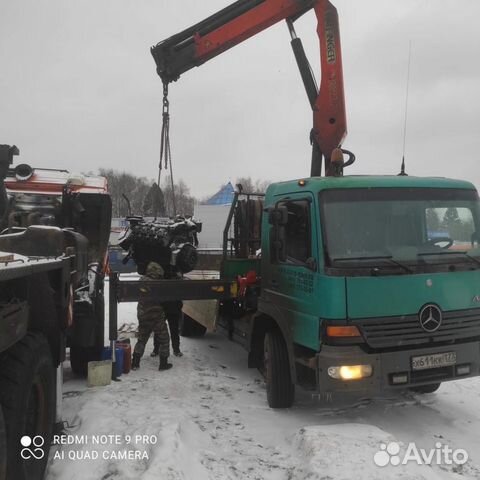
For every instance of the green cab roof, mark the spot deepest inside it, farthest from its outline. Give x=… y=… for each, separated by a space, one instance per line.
x=317 y=184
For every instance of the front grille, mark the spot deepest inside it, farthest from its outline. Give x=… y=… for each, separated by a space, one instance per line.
x=388 y=332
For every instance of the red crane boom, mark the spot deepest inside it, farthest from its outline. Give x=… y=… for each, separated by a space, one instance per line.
x=244 y=19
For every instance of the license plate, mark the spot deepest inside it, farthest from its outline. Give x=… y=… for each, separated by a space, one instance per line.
x=435 y=360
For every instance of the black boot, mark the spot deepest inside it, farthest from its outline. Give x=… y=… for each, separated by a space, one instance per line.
x=135 y=361
x=164 y=365
x=154 y=352
x=178 y=353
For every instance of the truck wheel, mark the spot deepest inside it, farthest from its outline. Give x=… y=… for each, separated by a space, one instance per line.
x=280 y=388
x=27 y=397
x=433 y=387
x=79 y=358
x=188 y=327
x=3 y=447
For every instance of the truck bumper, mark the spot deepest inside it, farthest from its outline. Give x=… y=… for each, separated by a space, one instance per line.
x=397 y=364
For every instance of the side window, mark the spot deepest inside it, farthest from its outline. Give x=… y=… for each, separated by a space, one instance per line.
x=298 y=231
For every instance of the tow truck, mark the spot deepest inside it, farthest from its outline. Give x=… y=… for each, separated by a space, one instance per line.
x=53 y=249
x=361 y=284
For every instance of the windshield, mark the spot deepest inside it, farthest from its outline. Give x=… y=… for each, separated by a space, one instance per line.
x=401 y=227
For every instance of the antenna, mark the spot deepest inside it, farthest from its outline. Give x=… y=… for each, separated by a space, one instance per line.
x=402 y=168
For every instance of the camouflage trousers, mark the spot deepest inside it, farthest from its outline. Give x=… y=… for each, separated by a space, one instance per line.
x=173 y=311
x=152 y=319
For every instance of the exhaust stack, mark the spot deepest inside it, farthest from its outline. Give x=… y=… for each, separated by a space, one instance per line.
x=6 y=159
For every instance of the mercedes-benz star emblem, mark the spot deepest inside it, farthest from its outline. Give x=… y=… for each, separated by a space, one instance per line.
x=430 y=317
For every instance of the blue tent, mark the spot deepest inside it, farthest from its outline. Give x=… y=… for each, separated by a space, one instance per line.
x=223 y=197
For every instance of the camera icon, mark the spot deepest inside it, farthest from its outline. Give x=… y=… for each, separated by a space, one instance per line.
x=32 y=447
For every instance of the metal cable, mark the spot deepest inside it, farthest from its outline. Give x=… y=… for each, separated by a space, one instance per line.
x=165 y=149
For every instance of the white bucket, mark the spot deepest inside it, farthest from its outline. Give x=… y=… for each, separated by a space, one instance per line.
x=99 y=373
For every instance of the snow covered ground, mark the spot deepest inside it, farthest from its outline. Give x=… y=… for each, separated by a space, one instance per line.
x=207 y=419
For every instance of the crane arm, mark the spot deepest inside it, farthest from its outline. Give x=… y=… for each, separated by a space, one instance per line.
x=244 y=19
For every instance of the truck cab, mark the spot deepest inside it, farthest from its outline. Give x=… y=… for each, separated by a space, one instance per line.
x=370 y=283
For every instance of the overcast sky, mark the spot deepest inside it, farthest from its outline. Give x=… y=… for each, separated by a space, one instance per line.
x=78 y=90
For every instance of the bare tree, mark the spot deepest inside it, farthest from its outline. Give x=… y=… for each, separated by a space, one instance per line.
x=135 y=188
x=252 y=186
x=184 y=202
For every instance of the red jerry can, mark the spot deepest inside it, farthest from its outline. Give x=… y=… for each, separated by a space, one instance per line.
x=127 y=356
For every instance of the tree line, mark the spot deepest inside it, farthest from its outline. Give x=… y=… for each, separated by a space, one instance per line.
x=142 y=198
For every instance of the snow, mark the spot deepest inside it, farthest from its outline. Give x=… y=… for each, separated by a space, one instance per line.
x=208 y=419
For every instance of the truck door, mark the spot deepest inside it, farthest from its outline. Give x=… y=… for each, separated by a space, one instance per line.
x=291 y=277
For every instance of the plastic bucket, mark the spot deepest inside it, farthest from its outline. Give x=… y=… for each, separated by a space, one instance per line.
x=107 y=355
x=99 y=373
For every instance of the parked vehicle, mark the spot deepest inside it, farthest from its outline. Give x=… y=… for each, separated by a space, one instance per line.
x=53 y=247
x=341 y=284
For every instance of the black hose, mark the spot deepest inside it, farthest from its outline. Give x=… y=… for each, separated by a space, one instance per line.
x=351 y=157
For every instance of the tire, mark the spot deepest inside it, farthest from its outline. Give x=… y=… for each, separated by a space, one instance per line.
x=3 y=447
x=433 y=387
x=27 y=397
x=79 y=358
x=188 y=327
x=280 y=388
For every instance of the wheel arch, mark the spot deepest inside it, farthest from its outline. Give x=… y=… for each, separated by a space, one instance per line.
x=25 y=366
x=263 y=322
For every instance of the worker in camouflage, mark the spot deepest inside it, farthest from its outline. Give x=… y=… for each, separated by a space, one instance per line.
x=151 y=318
x=173 y=312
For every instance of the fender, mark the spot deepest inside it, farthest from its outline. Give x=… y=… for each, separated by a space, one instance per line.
x=268 y=316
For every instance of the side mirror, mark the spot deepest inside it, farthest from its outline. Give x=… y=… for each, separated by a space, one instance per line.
x=278 y=215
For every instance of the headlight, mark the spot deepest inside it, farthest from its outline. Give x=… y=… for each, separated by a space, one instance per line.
x=350 y=372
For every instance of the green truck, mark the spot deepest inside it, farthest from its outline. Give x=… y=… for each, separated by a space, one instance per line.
x=345 y=284
x=364 y=284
